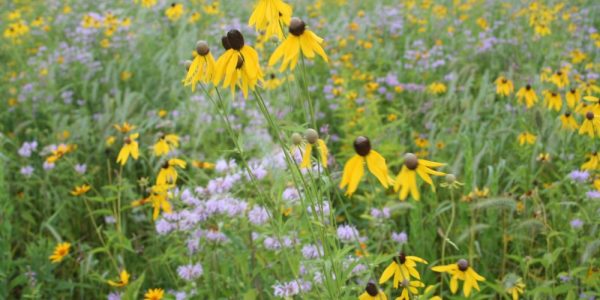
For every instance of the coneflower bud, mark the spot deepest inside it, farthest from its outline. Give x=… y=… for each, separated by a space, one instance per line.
x=296 y=138
x=589 y=115
x=450 y=178
x=411 y=161
x=236 y=39
x=311 y=135
x=202 y=48
x=463 y=264
x=362 y=145
x=297 y=26
x=225 y=43
x=371 y=289
x=187 y=64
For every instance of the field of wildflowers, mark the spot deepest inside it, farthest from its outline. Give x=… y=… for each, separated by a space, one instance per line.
x=300 y=149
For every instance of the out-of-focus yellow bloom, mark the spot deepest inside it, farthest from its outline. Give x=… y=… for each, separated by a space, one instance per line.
x=174 y=12
x=504 y=86
x=60 y=251
x=526 y=138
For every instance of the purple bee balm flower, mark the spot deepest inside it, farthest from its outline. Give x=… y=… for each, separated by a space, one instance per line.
x=347 y=233
x=576 y=223
x=258 y=215
x=311 y=251
x=579 y=176
x=593 y=194
x=190 y=272
x=27 y=171
x=114 y=296
x=80 y=168
x=401 y=237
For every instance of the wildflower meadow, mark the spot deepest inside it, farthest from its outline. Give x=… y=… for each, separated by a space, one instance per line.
x=300 y=149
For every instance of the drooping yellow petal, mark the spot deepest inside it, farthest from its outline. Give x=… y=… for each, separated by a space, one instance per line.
x=306 y=156
x=377 y=166
x=388 y=272
x=323 y=151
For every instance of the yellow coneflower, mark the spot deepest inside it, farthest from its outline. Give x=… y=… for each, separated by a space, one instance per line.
x=165 y=144
x=593 y=163
x=515 y=287
x=312 y=137
x=590 y=125
x=572 y=97
x=553 y=100
x=80 y=190
x=301 y=41
x=568 y=121
x=588 y=88
x=174 y=12
x=168 y=174
x=123 y=280
x=60 y=251
x=158 y=197
x=59 y=152
x=409 y=287
x=203 y=165
x=125 y=128
x=354 y=168
x=526 y=138
x=504 y=86
x=372 y=293
x=461 y=270
x=202 y=68
x=130 y=148
x=239 y=65
x=527 y=94
x=560 y=78
x=271 y=16
x=402 y=268
x=406 y=181
x=437 y=88
x=543 y=157
x=154 y=294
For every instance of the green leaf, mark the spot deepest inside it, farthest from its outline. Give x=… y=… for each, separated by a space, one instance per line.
x=134 y=288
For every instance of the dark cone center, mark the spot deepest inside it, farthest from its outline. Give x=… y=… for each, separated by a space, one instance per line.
x=411 y=161
x=225 y=43
x=589 y=115
x=362 y=145
x=236 y=39
x=297 y=26
x=463 y=264
x=371 y=289
x=202 y=48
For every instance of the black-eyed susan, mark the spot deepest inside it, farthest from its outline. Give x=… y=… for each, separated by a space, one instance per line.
x=568 y=121
x=409 y=288
x=60 y=251
x=526 y=138
x=301 y=41
x=590 y=125
x=401 y=268
x=406 y=181
x=203 y=165
x=123 y=280
x=80 y=190
x=593 y=162
x=239 y=65
x=461 y=270
x=543 y=157
x=354 y=168
x=60 y=151
x=553 y=100
x=165 y=144
x=202 y=68
x=504 y=86
x=130 y=148
x=450 y=182
x=372 y=293
x=154 y=294
x=271 y=16
x=168 y=173
x=572 y=97
x=313 y=140
x=527 y=95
